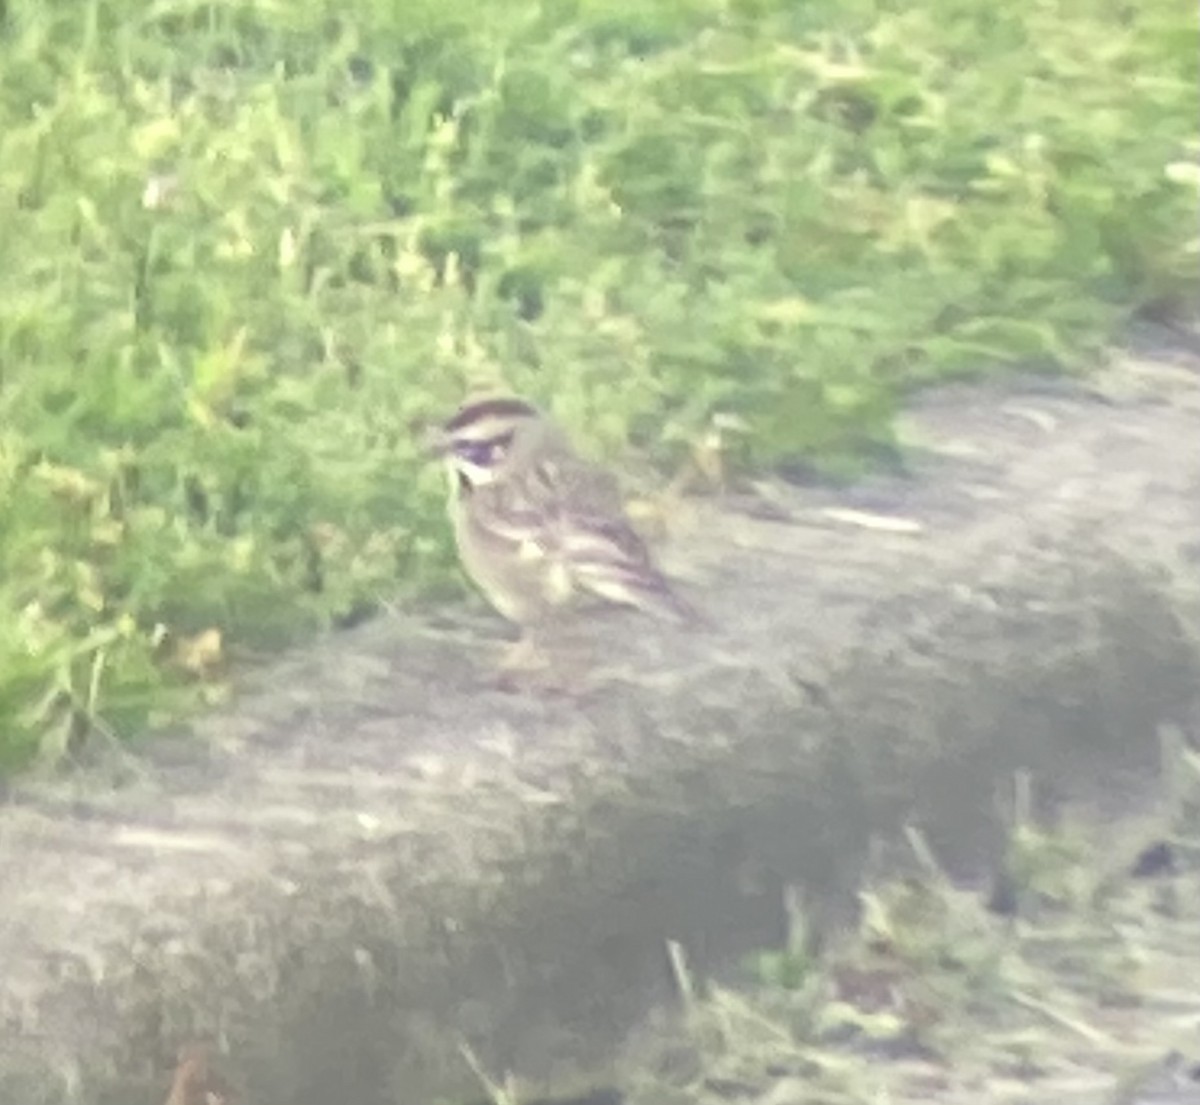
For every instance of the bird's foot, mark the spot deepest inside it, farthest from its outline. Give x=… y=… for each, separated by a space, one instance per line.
x=524 y=655
x=522 y=666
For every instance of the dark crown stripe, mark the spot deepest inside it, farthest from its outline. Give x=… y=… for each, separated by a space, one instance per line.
x=489 y=408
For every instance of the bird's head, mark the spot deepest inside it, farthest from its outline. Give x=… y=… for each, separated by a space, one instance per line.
x=485 y=440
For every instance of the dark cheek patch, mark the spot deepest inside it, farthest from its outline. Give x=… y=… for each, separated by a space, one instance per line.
x=483 y=453
x=478 y=453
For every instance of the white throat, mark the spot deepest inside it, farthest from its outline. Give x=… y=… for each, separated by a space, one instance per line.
x=476 y=475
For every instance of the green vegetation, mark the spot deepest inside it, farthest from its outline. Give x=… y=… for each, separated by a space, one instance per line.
x=245 y=244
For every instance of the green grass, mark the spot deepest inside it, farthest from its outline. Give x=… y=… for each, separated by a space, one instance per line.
x=641 y=215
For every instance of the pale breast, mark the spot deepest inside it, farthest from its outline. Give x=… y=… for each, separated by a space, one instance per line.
x=524 y=582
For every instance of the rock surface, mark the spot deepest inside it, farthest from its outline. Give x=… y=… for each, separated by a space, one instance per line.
x=378 y=870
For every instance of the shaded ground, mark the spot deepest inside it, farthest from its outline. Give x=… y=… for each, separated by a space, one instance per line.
x=377 y=860
x=1069 y=978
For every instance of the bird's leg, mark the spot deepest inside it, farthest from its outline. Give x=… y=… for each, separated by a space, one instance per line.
x=520 y=662
x=524 y=655
x=534 y=666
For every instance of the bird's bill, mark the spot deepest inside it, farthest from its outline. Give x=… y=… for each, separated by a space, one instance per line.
x=436 y=443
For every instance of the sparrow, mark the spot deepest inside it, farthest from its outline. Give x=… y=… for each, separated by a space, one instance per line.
x=541 y=531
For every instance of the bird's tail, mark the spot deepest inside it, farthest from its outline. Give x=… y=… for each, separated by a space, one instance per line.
x=679 y=609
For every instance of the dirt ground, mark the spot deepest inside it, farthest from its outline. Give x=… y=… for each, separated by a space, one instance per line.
x=379 y=878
